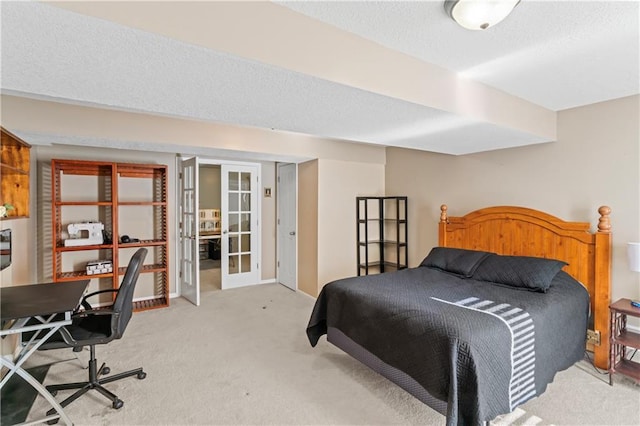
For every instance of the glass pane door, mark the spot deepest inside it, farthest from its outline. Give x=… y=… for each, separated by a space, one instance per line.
x=240 y=223
x=189 y=262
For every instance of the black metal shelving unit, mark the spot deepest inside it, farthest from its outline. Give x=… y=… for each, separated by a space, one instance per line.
x=381 y=234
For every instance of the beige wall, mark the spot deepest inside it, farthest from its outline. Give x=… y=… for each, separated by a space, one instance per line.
x=209 y=187
x=308 y=227
x=343 y=181
x=268 y=223
x=148 y=138
x=327 y=218
x=596 y=161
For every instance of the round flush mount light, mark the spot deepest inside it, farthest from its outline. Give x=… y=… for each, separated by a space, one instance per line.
x=479 y=14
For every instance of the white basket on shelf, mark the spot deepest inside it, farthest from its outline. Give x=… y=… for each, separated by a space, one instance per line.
x=99 y=267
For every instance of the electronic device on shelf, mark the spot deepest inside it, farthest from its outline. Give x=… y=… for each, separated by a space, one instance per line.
x=84 y=234
x=127 y=239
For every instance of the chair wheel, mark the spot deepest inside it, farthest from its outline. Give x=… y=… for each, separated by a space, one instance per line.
x=106 y=370
x=142 y=375
x=117 y=404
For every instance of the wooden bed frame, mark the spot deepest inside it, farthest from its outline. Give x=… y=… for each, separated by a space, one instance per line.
x=526 y=232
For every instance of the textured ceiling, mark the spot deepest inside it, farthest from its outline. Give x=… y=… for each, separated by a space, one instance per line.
x=553 y=54
x=558 y=54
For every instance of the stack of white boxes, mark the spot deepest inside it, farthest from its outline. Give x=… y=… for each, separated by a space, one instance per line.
x=99 y=267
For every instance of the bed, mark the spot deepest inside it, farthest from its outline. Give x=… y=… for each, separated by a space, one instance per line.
x=488 y=318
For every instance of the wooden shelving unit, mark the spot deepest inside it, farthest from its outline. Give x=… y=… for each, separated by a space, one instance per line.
x=621 y=339
x=127 y=199
x=210 y=230
x=381 y=234
x=15 y=165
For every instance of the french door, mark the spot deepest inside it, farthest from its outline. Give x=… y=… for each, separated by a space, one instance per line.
x=239 y=240
x=189 y=232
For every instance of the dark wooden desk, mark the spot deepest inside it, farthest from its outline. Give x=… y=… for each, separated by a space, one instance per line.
x=43 y=302
x=40 y=299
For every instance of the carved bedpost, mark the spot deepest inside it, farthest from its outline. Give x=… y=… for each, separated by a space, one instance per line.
x=602 y=286
x=442 y=226
x=443 y=213
x=604 y=223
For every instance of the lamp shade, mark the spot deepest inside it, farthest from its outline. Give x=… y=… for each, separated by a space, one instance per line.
x=479 y=14
x=633 y=253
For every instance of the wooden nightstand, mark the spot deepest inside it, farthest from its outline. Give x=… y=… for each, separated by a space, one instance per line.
x=621 y=339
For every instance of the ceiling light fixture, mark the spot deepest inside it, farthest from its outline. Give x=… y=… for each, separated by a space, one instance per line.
x=479 y=14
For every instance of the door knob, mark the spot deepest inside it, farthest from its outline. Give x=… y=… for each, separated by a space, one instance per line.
x=292 y=233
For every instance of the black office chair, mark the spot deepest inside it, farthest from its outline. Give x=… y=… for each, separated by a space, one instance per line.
x=98 y=326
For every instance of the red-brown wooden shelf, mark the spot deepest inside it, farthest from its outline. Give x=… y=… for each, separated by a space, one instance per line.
x=111 y=184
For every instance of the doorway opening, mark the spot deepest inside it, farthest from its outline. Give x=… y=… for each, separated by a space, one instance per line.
x=210 y=223
x=237 y=225
x=225 y=225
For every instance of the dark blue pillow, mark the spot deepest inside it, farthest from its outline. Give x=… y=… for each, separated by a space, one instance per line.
x=457 y=261
x=529 y=273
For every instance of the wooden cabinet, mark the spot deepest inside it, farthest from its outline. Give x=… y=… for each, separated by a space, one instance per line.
x=14 y=175
x=103 y=212
x=623 y=339
x=381 y=234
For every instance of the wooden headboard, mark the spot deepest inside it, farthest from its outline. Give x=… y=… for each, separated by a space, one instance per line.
x=522 y=231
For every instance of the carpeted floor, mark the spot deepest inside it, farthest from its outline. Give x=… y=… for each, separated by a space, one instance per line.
x=17 y=396
x=209 y=264
x=242 y=358
x=210 y=276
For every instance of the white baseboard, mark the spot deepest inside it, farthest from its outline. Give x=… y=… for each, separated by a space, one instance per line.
x=306 y=294
x=175 y=294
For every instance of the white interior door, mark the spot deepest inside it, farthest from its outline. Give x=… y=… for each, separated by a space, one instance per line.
x=239 y=242
x=189 y=230
x=287 y=225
